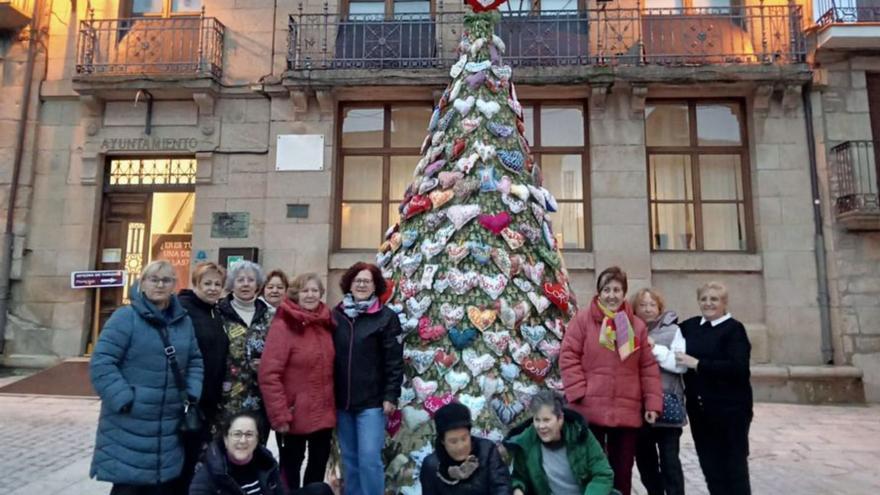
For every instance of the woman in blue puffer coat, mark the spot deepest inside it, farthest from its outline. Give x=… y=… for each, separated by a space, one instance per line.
x=137 y=446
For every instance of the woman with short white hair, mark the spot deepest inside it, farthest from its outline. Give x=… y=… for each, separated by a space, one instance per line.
x=246 y=320
x=719 y=395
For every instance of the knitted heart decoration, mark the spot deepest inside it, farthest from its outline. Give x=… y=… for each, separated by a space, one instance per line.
x=550 y=349
x=513 y=238
x=509 y=371
x=457 y=67
x=536 y=368
x=493 y=285
x=475 y=404
x=451 y=313
x=409 y=264
x=502 y=260
x=533 y=334
x=557 y=295
x=445 y=360
x=469 y=125
x=418 y=204
x=462 y=338
x=477 y=66
x=500 y=130
x=456 y=252
x=531 y=233
x=480 y=252
x=478 y=364
x=424 y=388
x=393 y=422
x=481 y=318
x=457 y=380
x=484 y=5
x=463 y=107
x=456 y=88
x=429 y=332
x=556 y=326
x=476 y=80
x=515 y=205
x=488 y=108
x=466 y=163
x=490 y=385
x=414 y=417
x=486 y=151
x=497 y=341
x=446 y=120
x=519 y=350
x=487 y=179
x=535 y=272
x=428 y=185
x=459 y=215
x=523 y=285
x=420 y=360
x=540 y=302
x=417 y=307
x=449 y=179
x=440 y=198
x=434 y=167
x=435 y=402
x=407 y=395
x=502 y=71
x=506 y=412
x=513 y=160
x=548 y=235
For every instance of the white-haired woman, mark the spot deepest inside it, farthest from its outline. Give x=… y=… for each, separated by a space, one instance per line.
x=132 y=375
x=246 y=320
x=719 y=395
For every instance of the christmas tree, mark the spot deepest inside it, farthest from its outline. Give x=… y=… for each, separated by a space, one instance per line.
x=478 y=282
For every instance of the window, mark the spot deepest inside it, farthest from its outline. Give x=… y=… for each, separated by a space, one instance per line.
x=372 y=10
x=164 y=8
x=379 y=149
x=698 y=176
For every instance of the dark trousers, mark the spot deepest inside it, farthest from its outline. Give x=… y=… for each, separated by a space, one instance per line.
x=193 y=446
x=123 y=489
x=658 y=462
x=314 y=489
x=619 y=445
x=292 y=449
x=722 y=444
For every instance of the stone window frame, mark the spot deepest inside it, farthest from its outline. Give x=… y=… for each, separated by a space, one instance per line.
x=694 y=151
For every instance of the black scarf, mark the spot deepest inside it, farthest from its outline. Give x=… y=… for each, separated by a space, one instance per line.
x=451 y=471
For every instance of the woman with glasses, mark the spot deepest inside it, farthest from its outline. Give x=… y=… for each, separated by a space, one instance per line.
x=137 y=447
x=246 y=320
x=236 y=463
x=368 y=371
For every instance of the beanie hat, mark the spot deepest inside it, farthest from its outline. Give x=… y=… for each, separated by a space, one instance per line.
x=450 y=417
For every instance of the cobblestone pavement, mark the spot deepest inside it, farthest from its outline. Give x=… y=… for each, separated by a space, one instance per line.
x=796 y=450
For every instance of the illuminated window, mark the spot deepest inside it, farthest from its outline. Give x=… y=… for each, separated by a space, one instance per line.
x=152 y=172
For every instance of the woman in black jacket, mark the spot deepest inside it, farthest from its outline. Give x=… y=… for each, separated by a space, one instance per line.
x=368 y=372
x=718 y=392
x=462 y=464
x=201 y=304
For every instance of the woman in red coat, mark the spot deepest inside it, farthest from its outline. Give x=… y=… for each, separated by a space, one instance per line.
x=610 y=375
x=296 y=379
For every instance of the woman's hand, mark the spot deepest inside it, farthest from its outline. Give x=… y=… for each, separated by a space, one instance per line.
x=388 y=407
x=686 y=360
x=651 y=417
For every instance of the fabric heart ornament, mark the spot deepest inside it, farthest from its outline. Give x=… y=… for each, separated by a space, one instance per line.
x=504 y=185
x=460 y=215
x=434 y=167
x=533 y=334
x=495 y=223
x=538 y=211
x=428 y=276
x=480 y=252
x=550 y=349
x=464 y=106
x=446 y=120
x=506 y=315
x=441 y=284
x=408 y=238
x=493 y=85
x=429 y=332
x=396 y=240
x=414 y=417
x=535 y=272
x=514 y=239
x=462 y=338
x=432 y=122
x=407 y=325
x=557 y=295
x=445 y=360
x=476 y=80
x=487 y=179
x=451 y=314
x=540 y=302
x=523 y=285
x=458 y=66
x=478 y=364
x=499 y=43
x=555 y=383
x=382 y=259
x=515 y=106
x=417 y=307
x=409 y=288
x=420 y=360
x=522 y=310
x=484 y=5
x=428 y=185
x=434 y=219
x=477 y=66
x=515 y=205
x=435 y=402
x=531 y=233
x=502 y=260
x=456 y=88
x=506 y=412
x=457 y=380
x=519 y=350
x=407 y=395
x=409 y=264
x=485 y=151
x=476 y=46
x=393 y=422
x=445 y=233
x=461 y=282
x=456 y=252
x=490 y=385
x=481 y=318
x=470 y=125
x=502 y=71
x=550 y=201
x=466 y=188
x=520 y=191
x=524 y=393
x=556 y=326
x=493 y=285
x=437 y=137
x=500 y=130
x=397 y=308
x=512 y=160
x=449 y=179
x=497 y=341
x=466 y=163
x=418 y=204
x=488 y=108
x=548 y=235
x=536 y=368
x=440 y=198
x=509 y=371
x=475 y=404
x=424 y=388
x=458 y=147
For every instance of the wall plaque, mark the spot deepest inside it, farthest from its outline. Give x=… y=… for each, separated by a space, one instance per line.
x=230 y=225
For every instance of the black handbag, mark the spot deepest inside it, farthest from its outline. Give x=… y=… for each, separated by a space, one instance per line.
x=193 y=421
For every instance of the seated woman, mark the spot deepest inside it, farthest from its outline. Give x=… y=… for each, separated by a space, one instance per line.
x=462 y=464
x=555 y=453
x=237 y=463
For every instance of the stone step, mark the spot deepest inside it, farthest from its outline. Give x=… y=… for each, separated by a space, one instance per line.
x=798 y=384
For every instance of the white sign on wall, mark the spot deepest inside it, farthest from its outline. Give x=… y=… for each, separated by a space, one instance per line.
x=299 y=152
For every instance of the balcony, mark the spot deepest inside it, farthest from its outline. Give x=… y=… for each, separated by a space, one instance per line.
x=15 y=14
x=328 y=47
x=153 y=50
x=848 y=24
x=854 y=168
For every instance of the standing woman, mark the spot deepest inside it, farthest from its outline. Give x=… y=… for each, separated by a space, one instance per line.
x=201 y=305
x=719 y=394
x=275 y=289
x=296 y=378
x=368 y=373
x=137 y=447
x=246 y=320
x=658 y=447
x=609 y=374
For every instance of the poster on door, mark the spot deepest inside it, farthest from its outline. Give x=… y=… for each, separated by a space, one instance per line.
x=176 y=249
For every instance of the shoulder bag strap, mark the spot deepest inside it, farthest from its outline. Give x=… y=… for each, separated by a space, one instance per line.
x=170 y=353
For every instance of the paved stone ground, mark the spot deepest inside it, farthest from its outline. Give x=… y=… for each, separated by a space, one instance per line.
x=796 y=450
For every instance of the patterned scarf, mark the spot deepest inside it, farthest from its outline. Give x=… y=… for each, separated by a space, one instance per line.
x=617 y=332
x=353 y=308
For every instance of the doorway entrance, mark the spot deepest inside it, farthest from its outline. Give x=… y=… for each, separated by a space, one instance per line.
x=146 y=215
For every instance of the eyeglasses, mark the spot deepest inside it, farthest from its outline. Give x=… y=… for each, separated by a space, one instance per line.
x=242 y=435
x=363 y=281
x=162 y=281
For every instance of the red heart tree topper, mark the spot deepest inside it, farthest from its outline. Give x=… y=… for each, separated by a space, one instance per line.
x=484 y=5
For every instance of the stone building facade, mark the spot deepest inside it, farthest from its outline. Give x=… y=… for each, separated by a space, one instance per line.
x=676 y=138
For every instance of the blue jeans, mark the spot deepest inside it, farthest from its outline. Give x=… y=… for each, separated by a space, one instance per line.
x=361 y=438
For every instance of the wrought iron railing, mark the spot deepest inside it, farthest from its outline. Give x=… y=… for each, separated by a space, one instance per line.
x=761 y=34
x=847 y=11
x=190 y=46
x=854 y=175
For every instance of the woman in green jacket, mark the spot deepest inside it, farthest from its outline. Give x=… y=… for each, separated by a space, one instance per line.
x=555 y=453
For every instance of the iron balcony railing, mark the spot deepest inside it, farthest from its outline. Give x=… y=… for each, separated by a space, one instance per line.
x=847 y=11
x=854 y=174
x=761 y=34
x=189 y=46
